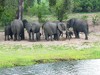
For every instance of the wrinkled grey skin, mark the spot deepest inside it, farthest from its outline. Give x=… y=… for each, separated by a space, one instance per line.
x=17 y=29
x=78 y=26
x=53 y=29
x=32 y=28
x=69 y=34
x=8 y=32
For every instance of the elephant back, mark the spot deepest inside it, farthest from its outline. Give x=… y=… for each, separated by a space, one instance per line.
x=36 y=27
x=50 y=27
x=16 y=25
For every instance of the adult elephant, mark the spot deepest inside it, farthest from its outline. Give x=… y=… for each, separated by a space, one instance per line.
x=53 y=29
x=8 y=32
x=32 y=28
x=17 y=29
x=78 y=25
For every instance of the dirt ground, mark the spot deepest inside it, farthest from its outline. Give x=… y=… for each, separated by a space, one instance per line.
x=94 y=36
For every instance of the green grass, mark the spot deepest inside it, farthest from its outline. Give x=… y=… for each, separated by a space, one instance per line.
x=18 y=55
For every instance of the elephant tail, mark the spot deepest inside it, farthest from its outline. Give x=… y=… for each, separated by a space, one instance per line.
x=43 y=28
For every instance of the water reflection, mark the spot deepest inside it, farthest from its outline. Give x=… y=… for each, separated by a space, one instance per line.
x=84 y=67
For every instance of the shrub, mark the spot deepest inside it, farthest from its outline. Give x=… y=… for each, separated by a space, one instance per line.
x=95 y=20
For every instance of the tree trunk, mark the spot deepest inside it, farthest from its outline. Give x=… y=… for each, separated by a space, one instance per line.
x=20 y=9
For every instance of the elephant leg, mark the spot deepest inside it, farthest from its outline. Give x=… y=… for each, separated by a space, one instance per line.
x=15 y=37
x=38 y=36
x=55 y=37
x=67 y=35
x=76 y=34
x=22 y=34
x=18 y=37
x=86 y=37
x=70 y=36
x=58 y=34
x=51 y=37
x=46 y=37
x=32 y=36
x=29 y=35
x=11 y=36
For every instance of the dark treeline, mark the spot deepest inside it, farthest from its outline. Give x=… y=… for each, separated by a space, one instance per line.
x=86 y=5
x=39 y=8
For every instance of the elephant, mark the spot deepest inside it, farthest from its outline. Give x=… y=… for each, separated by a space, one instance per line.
x=17 y=29
x=78 y=25
x=8 y=32
x=69 y=34
x=38 y=35
x=53 y=29
x=32 y=28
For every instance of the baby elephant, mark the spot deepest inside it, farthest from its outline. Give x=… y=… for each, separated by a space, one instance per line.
x=69 y=34
x=8 y=32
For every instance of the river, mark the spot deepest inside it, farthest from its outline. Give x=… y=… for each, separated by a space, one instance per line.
x=80 y=67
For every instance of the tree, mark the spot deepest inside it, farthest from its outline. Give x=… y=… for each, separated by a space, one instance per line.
x=62 y=7
x=1 y=7
x=39 y=10
x=9 y=11
x=27 y=4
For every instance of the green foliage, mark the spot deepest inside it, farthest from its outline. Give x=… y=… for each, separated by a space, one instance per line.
x=66 y=16
x=1 y=7
x=52 y=2
x=9 y=13
x=38 y=1
x=62 y=7
x=39 y=10
x=27 y=4
x=86 y=5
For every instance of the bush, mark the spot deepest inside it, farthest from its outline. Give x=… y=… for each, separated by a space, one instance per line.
x=95 y=20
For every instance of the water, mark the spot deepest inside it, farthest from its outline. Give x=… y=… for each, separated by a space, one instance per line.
x=82 y=67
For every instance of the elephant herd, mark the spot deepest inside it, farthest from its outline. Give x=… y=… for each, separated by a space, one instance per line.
x=51 y=30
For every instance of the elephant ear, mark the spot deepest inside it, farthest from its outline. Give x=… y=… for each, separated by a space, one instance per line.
x=72 y=21
x=60 y=27
x=24 y=22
